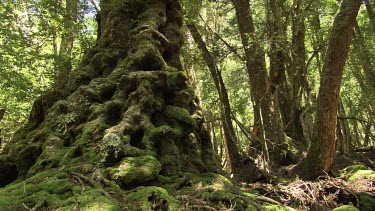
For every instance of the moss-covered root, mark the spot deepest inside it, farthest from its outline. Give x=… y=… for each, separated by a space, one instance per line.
x=211 y=191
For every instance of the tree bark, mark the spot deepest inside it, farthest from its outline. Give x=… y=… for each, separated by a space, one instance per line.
x=320 y=155
x=229 y=133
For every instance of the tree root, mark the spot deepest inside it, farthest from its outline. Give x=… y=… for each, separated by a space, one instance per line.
x=91 y=183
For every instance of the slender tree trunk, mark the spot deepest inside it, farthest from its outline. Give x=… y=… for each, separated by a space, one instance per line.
x=318 y=40
x=300 y=86
x=2 y=112
x=357 y=143
x=213 y=136
x=66 y=46
x=370 y=13
x=234 y=155
x=346 y=135
x=363 y=56
x=367 y=130
x=277 y=36
x=55 y=51
x=320 y=155
x=259 y=82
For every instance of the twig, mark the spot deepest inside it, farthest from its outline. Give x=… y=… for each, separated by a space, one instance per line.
x=231 y=48
x=269 y=200
x=312 y=194
x=38 y=205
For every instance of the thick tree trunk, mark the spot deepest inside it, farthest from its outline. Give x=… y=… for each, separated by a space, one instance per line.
x=229 y=133
x=320 y=155
x=124 y=118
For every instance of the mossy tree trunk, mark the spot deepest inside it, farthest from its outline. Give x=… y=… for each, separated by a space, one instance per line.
x=126 y=115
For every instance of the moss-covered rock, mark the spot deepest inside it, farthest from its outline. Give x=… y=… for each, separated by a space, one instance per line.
x=356 y=171
x=152 y=198
x=135 y=171
x=366 y=202
x=346 y=208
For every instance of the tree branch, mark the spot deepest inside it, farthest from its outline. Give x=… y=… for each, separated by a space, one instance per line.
x=231 y=48
x=358 y=119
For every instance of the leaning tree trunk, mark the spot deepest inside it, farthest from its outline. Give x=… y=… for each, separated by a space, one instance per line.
x=126 y=116
x=230 y=137
x=320 y=155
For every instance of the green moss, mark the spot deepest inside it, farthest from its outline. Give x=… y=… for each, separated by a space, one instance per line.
x=366 y=202
x=274 y=208
x=135 y=170
x=163 y=132
x=182 y=116
x=357 y=171
x=89 y=92
x=56 y=191
x=176 y=80
x=152 y=198
x=91 y=199
x=50 y=158
x=115 y=147
x=219 y=181
x=346 y=208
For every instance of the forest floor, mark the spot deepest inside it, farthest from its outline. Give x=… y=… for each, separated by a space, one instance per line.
x=350 y=184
